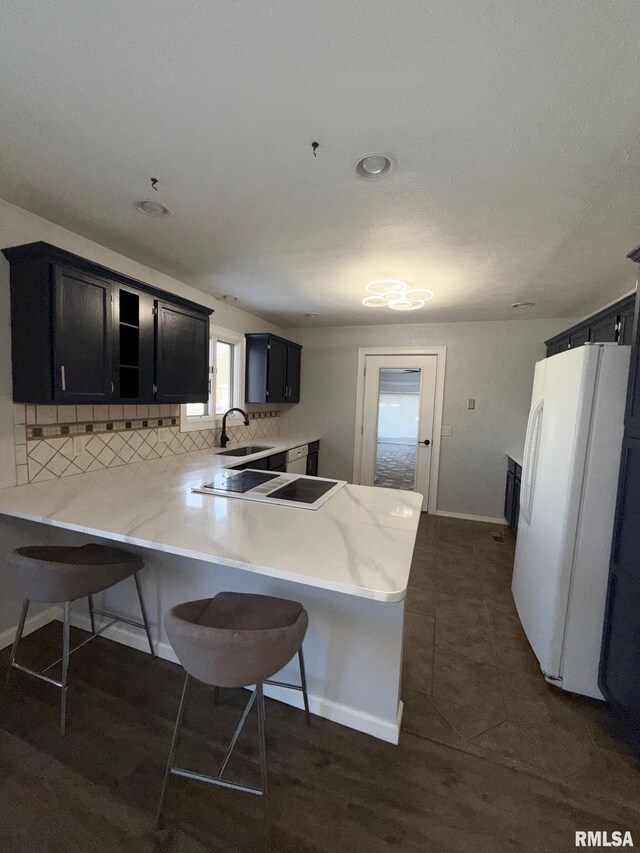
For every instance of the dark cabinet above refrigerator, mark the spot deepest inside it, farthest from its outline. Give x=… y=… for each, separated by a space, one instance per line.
x=611 y=325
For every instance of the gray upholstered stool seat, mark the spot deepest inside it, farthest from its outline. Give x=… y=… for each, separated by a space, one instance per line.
x=235 y=640
x=55 y=574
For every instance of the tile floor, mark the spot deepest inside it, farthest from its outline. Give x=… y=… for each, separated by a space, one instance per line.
x=471 y=680
x=395 y=466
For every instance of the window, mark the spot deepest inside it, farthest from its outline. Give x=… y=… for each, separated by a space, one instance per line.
x=226 y=383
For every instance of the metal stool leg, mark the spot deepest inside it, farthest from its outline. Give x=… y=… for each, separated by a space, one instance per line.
x=92 y=615
x=303 y=681
x=172 y=751
x=16 y=641
x=143 y=610
x=263 y=759
x=65 y=667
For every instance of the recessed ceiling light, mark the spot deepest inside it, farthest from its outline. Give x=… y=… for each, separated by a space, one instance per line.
x=373 y=167
x=312 y=314
x=523 y=304
x=228 y=298
x=152 y=208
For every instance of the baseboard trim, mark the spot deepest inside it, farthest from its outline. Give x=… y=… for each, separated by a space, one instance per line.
x=344 y=715
x=34 y=623
x=334 y=711
x=488 y=518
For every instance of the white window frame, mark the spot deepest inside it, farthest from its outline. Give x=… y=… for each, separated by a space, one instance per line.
x=189 y=423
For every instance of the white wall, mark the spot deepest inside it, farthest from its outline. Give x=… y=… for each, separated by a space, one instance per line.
x=492 y=362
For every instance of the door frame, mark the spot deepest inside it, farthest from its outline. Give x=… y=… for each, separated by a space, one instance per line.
x=441 y=355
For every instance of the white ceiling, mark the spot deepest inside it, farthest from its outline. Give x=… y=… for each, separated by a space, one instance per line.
x=514 y=125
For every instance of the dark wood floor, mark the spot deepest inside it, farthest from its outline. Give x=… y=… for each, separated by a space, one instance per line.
x=446 y=787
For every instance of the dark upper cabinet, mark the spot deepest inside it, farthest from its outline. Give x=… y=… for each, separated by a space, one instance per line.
x=182 y=360
x=604 y=330
x=276 y=389
x=625 y=323
x=82 y=337
x=613 y=324
x=581 y=337
x=294 y=364
x=81 y=333
x=272 y=369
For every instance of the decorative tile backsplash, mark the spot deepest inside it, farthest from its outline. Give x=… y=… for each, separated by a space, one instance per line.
x=59 y=441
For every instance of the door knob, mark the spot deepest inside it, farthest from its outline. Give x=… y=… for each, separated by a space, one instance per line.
x=426 y=442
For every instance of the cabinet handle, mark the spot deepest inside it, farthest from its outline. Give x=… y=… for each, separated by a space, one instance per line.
x=63 y=380
x=113 y=387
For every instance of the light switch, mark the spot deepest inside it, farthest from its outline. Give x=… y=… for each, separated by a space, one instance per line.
x=446 y=430
x=471 y=404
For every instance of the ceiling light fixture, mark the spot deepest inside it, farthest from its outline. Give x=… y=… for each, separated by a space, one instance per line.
x=395 y=294
x=523 y=304
x=373 y=167
x=311 y=314
x=228 y=298
x=152 y=208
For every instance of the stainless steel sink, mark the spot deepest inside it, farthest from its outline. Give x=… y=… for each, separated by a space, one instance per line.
x=247 y=450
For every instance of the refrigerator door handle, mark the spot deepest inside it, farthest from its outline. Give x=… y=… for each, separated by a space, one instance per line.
x=532 y=442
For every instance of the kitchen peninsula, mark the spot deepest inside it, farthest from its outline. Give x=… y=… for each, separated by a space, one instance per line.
x=348 y=563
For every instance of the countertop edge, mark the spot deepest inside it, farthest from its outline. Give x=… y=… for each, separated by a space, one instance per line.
x=268 y=571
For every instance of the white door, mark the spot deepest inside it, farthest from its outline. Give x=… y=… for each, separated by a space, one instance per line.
x=397 y=426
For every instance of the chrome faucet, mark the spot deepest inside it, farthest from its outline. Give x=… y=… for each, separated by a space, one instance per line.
x=224 y=438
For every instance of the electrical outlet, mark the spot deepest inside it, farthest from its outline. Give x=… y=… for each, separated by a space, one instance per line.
x=471 y=404
x=80 y=444
x=446 y=430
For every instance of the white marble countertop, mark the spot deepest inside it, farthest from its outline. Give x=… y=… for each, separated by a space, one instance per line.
x=359 y=543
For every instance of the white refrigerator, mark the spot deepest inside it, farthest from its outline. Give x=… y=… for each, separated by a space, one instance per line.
x=567 y=504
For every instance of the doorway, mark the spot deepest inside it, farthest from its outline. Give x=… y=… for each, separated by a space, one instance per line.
x=399 y=410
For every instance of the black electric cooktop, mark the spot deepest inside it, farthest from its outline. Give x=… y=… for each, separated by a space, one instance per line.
x=302 y=490
x=243 y=481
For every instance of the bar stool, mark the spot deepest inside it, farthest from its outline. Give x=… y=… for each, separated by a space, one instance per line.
x=234 y=640
x=55 y=574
